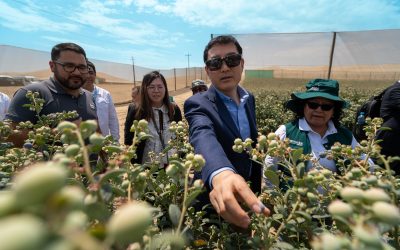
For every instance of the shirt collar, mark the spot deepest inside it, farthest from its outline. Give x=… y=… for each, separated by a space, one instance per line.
x=163 y=108
x=303 y=125
x=243 y=95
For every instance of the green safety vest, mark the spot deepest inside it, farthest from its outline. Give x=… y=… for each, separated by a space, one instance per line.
x=299 y=139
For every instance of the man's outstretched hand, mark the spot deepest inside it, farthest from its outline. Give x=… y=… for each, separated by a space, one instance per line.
x=229 y=189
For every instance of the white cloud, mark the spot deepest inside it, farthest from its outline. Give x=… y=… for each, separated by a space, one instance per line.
x=27 y=19
x=124 y=30
x=280 y=16
x=153 y=6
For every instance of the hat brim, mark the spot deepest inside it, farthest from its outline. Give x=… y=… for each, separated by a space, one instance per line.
x=299 y=96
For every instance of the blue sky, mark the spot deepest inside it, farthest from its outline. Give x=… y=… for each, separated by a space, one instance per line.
x=159 y=34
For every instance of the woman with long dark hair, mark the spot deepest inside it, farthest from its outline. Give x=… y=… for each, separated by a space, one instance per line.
x=155 y=107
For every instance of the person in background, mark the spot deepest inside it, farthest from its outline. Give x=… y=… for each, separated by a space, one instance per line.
x=135 y=94
x=216 y=118
x=198 y=86
x=4 y=103
x=155 y=107
x=105 y=109
x=62 y=92
x=316 y=126
x=390 y=113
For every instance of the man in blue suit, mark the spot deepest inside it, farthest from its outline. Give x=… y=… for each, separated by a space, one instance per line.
x=216 y=118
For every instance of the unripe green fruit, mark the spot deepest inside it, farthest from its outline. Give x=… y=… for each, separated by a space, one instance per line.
x=262 y=139
x=125 y=184
x=198 y=183
x=273 y=144
x=143 y=124
x=330 y=242
x=90 y=125
x=369 y=237
x=238 y=141
x=240 y=149
x=76 y=220
x=326 y=172
x=190 y=157
x=112 y=149
x=72 y=150
x=248 y=141
x=22 y=232
x=37 y=183
x=66 y=125
x=199 y=161
x=351 y=193
x=271 y=136
x=356 y=172
x=172 y=170
x=376 y=194
x=72 y=197
x=96 y=139
x=339 y=208
x=142 y=176
x=312 y=197
x=386 y=212
x=188 y=164
x=372 y=180
x=8 y=202
x=129 y=223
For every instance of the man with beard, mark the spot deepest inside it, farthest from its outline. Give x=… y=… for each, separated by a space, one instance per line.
x=61 y=93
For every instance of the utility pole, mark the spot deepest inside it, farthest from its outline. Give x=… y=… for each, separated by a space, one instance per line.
x=133 y=67
x=187 y=69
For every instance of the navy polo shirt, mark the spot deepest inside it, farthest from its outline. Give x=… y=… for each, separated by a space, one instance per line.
x=56 y=100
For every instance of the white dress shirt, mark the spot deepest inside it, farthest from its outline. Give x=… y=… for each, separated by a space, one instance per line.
x=4 y=103
x=106 y=113
x=317 y=145
x=153 y=144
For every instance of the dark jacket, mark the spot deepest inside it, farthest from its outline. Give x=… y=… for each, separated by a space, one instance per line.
x=390 y=112
x=212 y=133
x=128 y=135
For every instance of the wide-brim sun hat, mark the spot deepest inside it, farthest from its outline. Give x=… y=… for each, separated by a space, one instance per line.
x=324 y=88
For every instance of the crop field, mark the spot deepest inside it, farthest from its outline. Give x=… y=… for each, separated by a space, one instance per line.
x=53 y=197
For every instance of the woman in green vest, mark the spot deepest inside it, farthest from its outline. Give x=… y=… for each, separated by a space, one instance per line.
x=316 y=126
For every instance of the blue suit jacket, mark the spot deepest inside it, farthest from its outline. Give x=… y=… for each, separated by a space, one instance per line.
x=212 y=133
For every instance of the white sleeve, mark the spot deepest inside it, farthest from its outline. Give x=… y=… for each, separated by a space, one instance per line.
x=113 y=118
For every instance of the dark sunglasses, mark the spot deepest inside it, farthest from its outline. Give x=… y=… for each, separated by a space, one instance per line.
x=324 y=107
x=232 y=60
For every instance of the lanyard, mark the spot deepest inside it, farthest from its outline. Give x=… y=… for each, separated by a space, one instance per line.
x=159 y=129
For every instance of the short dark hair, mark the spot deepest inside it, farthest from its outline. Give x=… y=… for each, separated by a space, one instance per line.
x=91 y=65
x=57 y=49
x=224 y=39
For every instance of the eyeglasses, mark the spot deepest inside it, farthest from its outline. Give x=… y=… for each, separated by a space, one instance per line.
x=70 y=67
x=324 y=107
x=231 y=61
x=154 y=88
